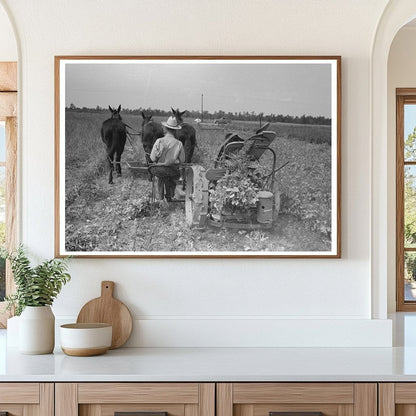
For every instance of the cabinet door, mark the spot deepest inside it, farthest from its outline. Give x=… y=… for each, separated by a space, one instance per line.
x=397 y=399
x=26 y=399
x=297 y=399
x=141 y=399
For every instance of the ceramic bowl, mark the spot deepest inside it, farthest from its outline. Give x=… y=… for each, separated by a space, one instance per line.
x=83 y=340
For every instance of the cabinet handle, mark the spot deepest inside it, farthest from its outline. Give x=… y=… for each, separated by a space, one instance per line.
x=295 y=413
x=138 y=414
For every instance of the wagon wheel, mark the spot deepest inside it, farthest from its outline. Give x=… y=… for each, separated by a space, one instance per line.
x=196 y=196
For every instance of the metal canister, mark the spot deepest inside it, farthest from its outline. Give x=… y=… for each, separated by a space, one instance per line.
x=265 y=207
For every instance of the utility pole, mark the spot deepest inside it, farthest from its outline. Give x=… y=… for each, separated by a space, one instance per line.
x=202 y=107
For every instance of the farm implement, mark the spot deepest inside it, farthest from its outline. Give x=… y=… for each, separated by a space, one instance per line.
x=238 y=192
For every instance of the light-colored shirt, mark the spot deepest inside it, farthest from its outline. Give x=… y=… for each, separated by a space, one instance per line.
x=168 y=150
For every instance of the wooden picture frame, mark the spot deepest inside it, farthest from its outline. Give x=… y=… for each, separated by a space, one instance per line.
x=261 y=171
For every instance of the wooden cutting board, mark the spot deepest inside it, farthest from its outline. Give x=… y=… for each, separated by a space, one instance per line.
x=108 y=310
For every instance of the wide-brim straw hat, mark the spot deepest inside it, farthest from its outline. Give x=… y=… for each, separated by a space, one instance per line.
x=172 y=123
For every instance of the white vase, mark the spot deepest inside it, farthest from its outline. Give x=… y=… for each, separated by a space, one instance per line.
x=37 y=330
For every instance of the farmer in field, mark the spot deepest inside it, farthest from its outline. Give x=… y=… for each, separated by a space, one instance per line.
x=167 y=152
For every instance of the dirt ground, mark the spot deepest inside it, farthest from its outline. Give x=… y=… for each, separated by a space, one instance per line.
x=118 y=218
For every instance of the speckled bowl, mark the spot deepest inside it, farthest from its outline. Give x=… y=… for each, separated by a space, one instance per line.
x=83 y=340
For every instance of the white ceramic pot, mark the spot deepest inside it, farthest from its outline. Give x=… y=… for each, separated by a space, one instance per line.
x=37 y=330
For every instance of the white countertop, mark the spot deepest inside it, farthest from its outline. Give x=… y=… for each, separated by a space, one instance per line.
x=221 y=364
x=215 y=364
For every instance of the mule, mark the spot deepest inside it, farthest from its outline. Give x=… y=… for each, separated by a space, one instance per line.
x=186 y=135
x=114 y=134
x=151 y=131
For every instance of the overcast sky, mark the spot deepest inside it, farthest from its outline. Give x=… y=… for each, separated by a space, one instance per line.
x=291 y=88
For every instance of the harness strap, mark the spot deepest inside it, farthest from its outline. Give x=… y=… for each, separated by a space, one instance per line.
x=131 y=128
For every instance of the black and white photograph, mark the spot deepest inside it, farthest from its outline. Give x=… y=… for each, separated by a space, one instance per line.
x=197 y=156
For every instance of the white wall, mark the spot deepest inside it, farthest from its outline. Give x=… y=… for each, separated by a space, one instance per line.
x=8 y=47
x=203 y=302
x=401 y=74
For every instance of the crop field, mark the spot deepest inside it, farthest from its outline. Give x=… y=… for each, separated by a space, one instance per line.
x=118 y=217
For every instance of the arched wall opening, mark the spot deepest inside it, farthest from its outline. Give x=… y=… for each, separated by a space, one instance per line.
x=401 y=74
x=396 y=15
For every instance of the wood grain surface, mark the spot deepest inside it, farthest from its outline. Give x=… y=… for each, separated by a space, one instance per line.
x=109 y=310
x=8 y=76
x=386 y=399
x=170 y=393
x=252 y=393
x=66 y=399
x=365 y=399
x=8 y=105
x=22 y=393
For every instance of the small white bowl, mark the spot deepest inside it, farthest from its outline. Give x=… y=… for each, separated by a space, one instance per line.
x=83 y=340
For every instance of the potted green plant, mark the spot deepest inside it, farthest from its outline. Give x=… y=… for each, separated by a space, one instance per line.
x=36 y=289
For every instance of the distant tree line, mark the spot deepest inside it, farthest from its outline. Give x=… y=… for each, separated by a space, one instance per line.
x=243 y=116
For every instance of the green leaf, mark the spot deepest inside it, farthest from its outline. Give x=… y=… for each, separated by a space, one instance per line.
x=35 y=286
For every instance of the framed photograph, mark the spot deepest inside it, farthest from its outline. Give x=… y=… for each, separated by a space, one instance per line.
x=198 y=156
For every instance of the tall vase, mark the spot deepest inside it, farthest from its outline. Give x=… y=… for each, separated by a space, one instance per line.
x=37 y=330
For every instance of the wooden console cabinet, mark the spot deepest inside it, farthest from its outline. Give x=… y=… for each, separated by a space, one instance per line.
x=208 y=399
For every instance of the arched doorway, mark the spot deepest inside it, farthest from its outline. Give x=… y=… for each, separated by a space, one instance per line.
x=395 y=16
